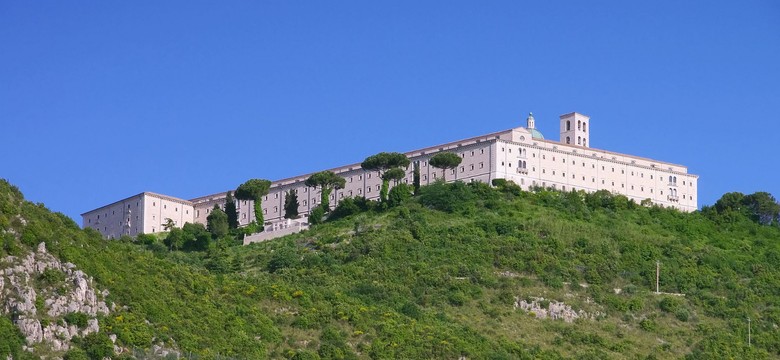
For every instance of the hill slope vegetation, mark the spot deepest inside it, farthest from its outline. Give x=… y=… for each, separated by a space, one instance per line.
x=461 y=270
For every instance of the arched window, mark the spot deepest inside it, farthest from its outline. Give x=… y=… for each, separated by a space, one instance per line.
x=579 y=125
x=568 y=125
x=568 y=141
x=675 y=179
x=579 y=140
x=584 y=142
x=584 y=127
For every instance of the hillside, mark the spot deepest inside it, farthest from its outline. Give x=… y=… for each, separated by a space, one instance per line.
x=462 y=270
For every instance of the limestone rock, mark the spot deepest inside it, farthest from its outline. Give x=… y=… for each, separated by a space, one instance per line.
x=21 y=294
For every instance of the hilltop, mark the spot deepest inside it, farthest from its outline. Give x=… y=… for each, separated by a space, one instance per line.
x=462 y=270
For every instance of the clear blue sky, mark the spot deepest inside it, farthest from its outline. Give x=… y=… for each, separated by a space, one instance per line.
x=102 y=100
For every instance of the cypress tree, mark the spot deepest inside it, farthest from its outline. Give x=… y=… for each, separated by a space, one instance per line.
x=230 y=210
x=291 y=205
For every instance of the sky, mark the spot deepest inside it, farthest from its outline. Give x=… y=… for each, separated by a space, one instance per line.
x=101 y=100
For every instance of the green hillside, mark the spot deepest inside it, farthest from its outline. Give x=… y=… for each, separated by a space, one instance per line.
x=440 y=275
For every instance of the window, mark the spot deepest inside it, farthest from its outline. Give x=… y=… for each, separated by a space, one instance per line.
x=360 y=177
x=154 y=203
x=243 y=216
x=165 y=206
x=197 y=213
x=568 y=126
x=276 y=208
x=462 y=168
x=568 y=140
x=425 y=177
x=481 y=151
x=584 y=142
x=265 y=211
x=579 y=125
x=481 y=165
x=579 y=140
x=472 y=166
x=350 y=179
x=276 y=196
x=584 y=127
x=472 y=153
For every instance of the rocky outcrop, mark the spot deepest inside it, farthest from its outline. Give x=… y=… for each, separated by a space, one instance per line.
x=552 y=309
x=38 y=291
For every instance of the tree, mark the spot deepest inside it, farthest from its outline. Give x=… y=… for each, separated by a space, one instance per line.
x=217 y=223
x=326 y=181
x=230 y=210
x=291 y=205
x=399 y=194
x=169 y=224
x=175 y=239
x=762 y=208
x=254 y=190
x=416 y=177
x=384 y=162
x=394 y=174
x=196 y=237
x=444 y=161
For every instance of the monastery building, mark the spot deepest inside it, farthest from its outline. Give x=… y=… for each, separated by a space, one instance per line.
x=521 y=155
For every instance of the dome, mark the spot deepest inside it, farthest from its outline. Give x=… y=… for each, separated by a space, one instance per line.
x=536 y=134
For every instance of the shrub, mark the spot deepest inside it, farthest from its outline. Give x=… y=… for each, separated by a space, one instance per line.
x=647 y=325
x=447 y=197
x=76 y=354
x=77 y=318
x=682 y=314
x=316 y=215
x=146 y=239
x=50 y=277
x=346 y=207
x=670 y=304
x=399 y=194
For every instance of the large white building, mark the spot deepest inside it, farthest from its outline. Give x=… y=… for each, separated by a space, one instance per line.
x=521 y=155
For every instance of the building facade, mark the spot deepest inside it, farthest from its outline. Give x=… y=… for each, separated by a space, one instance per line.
x=521 y=155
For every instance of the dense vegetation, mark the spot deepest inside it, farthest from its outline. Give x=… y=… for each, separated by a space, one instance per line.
x=437 y=276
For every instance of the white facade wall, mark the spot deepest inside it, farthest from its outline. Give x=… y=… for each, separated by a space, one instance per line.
x=570 y=167
x=159 y=208
x=142 y=213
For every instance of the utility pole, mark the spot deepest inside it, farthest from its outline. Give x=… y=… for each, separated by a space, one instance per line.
x=749 y=332
x=657 y=276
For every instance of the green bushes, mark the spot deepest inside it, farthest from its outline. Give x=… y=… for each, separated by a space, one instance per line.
x=78 y=319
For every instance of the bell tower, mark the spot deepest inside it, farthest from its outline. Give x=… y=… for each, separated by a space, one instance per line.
x=575 y=129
